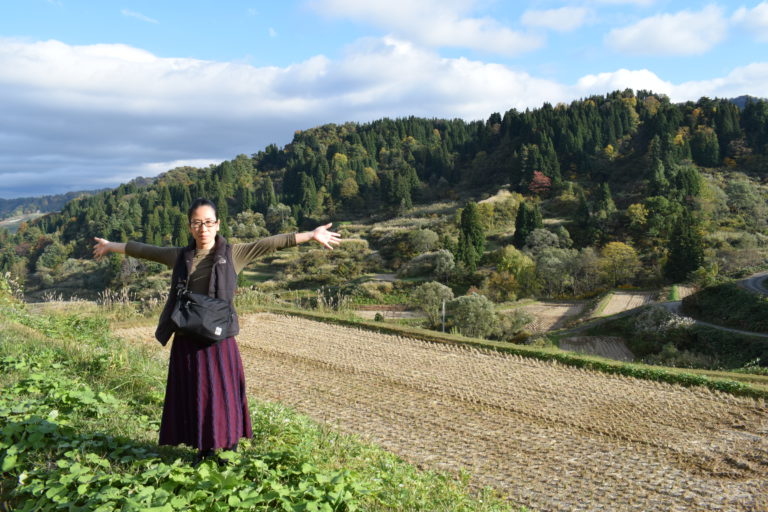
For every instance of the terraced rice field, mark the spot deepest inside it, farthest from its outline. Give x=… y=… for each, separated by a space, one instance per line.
x=623 y=301
x=549 y=316
x=550 y=437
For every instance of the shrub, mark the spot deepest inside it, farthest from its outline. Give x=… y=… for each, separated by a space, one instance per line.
x=429 y=298
x=511 y=325
x=439 y=264
x=500 y=286
x=473 y=315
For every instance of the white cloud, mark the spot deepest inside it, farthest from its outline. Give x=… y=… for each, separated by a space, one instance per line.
x=750 y=79
x=137 y=15
x=77 y=117
x=623 y=79
x=755 y=20
x=272 y=32
x=683 y=33
x=155 y=168
x=435 y=23
x=564 y=19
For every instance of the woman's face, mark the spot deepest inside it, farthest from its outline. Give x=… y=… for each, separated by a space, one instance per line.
x=204 y=226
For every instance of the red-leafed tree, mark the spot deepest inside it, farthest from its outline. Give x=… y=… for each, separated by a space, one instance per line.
x=540 y=184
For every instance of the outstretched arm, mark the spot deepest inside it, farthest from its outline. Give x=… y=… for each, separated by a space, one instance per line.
x=165 y=255
x=320 y=234
x=103 y=247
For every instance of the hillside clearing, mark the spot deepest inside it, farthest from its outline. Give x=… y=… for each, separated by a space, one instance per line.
x=548 y=436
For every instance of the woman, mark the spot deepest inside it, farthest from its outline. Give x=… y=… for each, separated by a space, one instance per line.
x=205 y=398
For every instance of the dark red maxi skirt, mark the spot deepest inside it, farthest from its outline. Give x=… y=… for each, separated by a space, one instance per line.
x=205 y=398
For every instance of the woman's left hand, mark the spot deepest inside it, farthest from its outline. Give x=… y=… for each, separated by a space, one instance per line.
x=325 y=237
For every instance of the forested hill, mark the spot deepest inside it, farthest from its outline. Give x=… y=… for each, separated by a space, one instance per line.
x=44 y=204
x=630 y=167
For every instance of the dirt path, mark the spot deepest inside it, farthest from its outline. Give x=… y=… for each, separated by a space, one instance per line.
x=550 y=437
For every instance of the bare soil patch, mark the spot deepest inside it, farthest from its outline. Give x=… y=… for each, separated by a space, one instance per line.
x=551 y=316
x=623 y=301
x=548 y=436
x=501 y=195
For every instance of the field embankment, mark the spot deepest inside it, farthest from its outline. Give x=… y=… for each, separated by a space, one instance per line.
x=612 y=347
x=552 y=437
x=729 y=305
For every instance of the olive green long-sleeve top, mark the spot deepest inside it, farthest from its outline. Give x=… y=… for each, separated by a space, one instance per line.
x=202 y=263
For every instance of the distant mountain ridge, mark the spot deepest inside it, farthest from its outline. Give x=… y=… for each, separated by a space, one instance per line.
x=742 y=101
x=43 y=204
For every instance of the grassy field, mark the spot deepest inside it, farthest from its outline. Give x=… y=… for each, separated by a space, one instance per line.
x=79 y=415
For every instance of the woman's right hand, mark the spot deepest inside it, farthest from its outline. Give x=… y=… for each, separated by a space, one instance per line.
x=101 y=248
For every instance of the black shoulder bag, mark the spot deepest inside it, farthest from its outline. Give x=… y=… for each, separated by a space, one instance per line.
x=204 y=317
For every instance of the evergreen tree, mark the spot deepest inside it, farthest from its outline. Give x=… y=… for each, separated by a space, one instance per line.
x=686 y=248
x=471 y=237
x=186 y=200
x=528 y=218
x=521 y=222
x=244 y=198
x=165 y=197
x=308 y=199
x=180 y=233
x=604 y=205
x=657 y=183
x=755 y=121
x=705 y=147
x=265 y=197
x=583 y=211
x=223 y=213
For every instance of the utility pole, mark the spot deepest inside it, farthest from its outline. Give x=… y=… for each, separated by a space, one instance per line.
x=443 y=315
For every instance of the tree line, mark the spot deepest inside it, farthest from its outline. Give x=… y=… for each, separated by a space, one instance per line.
x=628 y=167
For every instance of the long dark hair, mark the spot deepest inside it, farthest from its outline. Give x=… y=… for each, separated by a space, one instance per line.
x=197 y=203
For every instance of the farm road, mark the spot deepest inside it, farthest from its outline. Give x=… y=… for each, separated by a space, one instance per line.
x=757 y=283
x=550 y=437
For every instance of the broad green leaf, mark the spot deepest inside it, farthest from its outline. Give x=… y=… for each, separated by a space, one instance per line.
x=9 y=462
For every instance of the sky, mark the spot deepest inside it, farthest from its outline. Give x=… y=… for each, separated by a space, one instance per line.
x=96 y=93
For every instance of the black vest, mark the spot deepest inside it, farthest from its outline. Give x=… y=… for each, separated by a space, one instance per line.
x=222 y=285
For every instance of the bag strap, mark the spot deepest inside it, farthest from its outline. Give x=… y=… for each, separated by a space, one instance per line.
x=181 y=288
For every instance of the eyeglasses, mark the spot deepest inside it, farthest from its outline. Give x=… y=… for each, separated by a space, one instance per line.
x=197 y=224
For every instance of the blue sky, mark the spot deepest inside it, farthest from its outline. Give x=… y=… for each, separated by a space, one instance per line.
x=95 y=93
